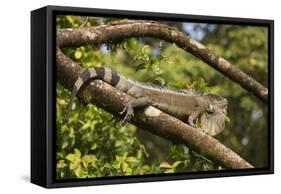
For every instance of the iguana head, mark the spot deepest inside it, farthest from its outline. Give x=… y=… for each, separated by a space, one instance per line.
x=213 y=119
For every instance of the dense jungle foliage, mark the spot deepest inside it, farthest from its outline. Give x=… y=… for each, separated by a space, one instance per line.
x=91 y=144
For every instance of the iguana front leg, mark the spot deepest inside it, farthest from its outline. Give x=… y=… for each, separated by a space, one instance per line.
x=136 y=103
x=193 y=116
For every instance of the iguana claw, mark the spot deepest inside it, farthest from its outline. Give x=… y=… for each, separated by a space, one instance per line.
x=193 y=117
x=136 y=103
x=129 y=113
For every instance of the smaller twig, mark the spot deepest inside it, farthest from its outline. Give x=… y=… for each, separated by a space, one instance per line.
x=195 y=154
x=84 y=23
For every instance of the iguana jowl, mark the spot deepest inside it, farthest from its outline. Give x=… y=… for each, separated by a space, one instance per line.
x=182 y=104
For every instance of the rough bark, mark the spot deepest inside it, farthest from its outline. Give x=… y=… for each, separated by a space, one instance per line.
x=121 y=30
x=151 y=119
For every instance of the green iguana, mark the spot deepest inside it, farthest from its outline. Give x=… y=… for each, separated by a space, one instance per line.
x=182 y=104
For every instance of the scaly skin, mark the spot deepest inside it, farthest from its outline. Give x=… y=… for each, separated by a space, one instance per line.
x=210 y=109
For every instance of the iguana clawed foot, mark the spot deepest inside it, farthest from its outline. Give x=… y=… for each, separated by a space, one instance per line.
x=129 y=113
x=191 y=123
x=193 y=117
x=136 y=103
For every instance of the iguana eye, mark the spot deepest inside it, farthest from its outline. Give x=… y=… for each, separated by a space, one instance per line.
x=210 y=108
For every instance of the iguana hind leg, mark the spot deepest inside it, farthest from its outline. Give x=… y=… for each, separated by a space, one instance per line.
x=136 y=103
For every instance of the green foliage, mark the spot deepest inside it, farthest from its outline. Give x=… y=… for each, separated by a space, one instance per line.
x=91 y=144
x=247 y=48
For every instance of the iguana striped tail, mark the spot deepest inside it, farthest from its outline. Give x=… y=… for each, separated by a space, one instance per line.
x=103 y=73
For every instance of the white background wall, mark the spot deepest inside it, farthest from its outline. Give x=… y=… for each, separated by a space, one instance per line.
x=15 y=94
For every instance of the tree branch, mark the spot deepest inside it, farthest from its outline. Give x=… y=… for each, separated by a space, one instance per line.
x=121 y=30
x=151 y=119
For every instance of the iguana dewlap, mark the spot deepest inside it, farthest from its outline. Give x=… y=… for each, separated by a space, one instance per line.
x=183 y=104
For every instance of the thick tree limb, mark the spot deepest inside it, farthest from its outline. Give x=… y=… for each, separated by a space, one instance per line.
x=151 y=119
x=121 y=30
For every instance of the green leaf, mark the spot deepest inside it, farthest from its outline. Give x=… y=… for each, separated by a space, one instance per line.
x=61 y=164
x=118 y=162
x=75 y=164
x=131 y=159
x=118 y=143
x=125 y=166
x=86 y=125
x=77 y=54
x=175 y=164
x=77 y=153
x=145 y=49
x=89 y=160
x=80 y=172
x=75 y=156
x=226 y=119
x=141 y=66
x=71 y=157
x=94 y=146
x=60 y=154
x=160 y=81
x=170 y=171
x=165 y=165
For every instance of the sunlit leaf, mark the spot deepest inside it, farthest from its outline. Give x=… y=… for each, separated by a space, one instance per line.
x=165 y=165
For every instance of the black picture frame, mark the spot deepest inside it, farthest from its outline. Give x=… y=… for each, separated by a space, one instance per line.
x=43 y=84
